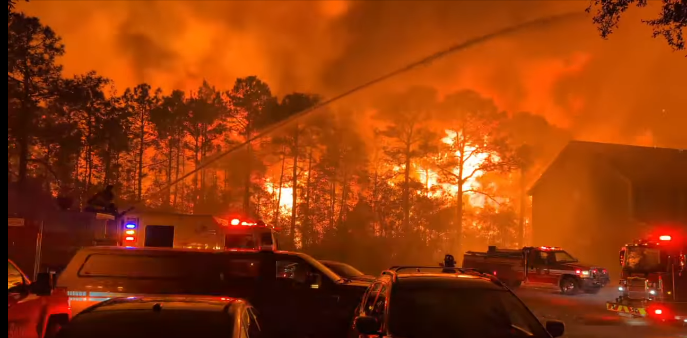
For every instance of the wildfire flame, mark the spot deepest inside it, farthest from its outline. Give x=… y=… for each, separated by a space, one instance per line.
x=474 y=159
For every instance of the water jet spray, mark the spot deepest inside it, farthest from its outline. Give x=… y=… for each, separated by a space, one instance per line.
x=554 y=19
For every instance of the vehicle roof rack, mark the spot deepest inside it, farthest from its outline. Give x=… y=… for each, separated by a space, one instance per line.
x=395 y=270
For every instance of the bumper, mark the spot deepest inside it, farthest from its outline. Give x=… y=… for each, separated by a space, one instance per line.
x=637 y=310
x=670 y=312
x=590 y=283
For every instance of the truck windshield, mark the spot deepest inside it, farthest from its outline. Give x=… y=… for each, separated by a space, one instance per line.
x=644 y=259
x=563 y=257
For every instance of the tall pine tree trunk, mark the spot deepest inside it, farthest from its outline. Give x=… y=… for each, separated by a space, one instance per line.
x=294 y=184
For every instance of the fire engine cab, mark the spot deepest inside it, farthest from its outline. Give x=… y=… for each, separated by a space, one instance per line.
x=169 y=230
x=653 y=281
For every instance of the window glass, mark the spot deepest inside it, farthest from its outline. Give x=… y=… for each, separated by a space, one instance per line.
x=168 y=323
x=241 y=268
x=380 y=304
x=243 y=241
x=196 y=266
x=266 y=239
x=430 y=311
x=371 y=298
x=245 y=324
x=293 y=269
x=14 y=277
x=254 y=327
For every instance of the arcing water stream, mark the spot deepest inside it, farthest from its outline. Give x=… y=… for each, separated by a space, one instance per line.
x=424 y=61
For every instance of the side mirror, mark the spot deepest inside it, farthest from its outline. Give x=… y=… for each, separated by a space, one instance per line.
x=367 y=325
x=43 y=285
x=555 y=328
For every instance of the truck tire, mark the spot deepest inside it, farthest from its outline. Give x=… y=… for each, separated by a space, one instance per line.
x=569 y=285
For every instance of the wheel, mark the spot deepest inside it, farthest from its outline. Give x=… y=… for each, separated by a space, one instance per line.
x=55 y=324
x=569 y=286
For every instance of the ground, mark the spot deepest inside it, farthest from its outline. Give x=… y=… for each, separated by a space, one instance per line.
x=585 y=316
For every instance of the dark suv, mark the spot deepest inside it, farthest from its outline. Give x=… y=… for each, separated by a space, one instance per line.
x=416 y=301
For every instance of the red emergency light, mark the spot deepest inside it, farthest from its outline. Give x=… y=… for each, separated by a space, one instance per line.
x=130 y=238
x=548 y=248
x=665 y=238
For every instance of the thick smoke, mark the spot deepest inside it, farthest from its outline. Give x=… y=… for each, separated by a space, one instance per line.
x=626 y=89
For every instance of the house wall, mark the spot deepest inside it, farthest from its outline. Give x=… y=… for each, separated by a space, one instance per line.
x=561 y=209
x=588 y=208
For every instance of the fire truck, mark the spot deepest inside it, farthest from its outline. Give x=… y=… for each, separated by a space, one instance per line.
x=653 y=281
x=170 y=230
x=538 y=266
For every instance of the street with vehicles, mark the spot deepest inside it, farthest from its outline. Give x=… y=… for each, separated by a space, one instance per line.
x=585 y=315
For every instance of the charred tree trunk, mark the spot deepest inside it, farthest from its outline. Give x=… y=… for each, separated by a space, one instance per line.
x=458 y=237
x=141 y=139
x=406 y=192
x=170 y=163
x=332 y=207
x=247 y=182
x=277 y=209
x=294 y=184
x=179 y=154
x=307 y=225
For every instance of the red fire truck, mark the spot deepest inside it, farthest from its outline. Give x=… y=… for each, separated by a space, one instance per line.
x=538 y=266
x=162 y=229
x=653 y=281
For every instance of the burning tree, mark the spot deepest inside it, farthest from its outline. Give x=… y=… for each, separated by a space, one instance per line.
x=473 y=146
x=408 y=113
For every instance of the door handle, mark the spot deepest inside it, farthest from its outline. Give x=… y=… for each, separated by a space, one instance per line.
x=336 y=298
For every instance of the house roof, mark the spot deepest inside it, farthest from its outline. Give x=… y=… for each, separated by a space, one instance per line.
x=638 y=164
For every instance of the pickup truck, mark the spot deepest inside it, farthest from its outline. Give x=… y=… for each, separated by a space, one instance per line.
x=295 y=295
x=34 y=309
x=538 y=266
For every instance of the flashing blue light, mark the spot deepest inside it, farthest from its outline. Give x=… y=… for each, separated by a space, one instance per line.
x=131 y=226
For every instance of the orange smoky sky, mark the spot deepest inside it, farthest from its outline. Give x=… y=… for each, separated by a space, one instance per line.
x=626 y=89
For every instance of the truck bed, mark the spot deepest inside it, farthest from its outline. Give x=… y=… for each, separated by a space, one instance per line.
x=507 y=265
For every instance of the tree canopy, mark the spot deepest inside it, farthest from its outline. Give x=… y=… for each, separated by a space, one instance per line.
x=669 y=24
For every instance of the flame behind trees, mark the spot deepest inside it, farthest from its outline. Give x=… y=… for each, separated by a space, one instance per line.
x=344 y=196
x=474 y=145
x=408 y=114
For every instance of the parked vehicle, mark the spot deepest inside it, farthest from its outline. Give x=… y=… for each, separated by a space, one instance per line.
x=426 y=301
x=295 y=293
x=170 y=230
x=34 y=309
x=179 y=316
x=653 y=281
x=539 y=266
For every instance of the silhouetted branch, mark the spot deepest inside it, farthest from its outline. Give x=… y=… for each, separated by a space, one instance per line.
x=492 y=198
